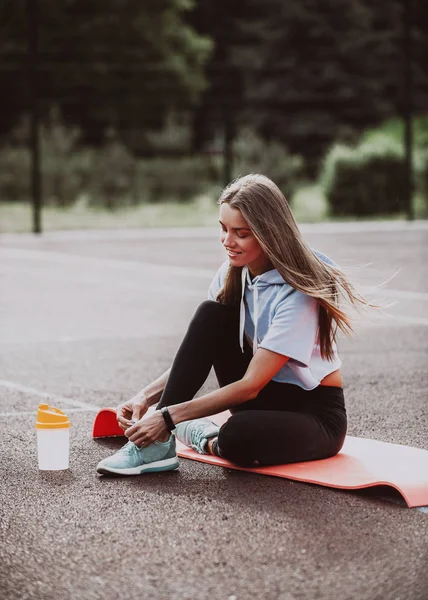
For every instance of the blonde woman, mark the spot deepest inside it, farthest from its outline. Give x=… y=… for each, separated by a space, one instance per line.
x=269 y=330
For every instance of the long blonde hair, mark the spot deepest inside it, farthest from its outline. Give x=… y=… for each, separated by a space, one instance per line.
x=266 y=210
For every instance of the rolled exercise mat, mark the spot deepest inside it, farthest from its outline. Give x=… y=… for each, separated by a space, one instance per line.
x=105 y=424
x=362 y=463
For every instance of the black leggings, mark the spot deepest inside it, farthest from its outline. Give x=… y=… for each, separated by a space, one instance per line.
x=283 y=424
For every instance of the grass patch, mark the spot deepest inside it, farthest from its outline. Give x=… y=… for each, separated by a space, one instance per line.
x=17 y=217
x=308 y=205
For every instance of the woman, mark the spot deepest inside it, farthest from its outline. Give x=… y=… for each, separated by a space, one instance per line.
x=269 y=330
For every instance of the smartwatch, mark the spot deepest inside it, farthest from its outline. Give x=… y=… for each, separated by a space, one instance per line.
x=167 y=418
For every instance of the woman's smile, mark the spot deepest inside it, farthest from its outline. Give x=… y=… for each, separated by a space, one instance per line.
x=240 y=244
x=232 y=253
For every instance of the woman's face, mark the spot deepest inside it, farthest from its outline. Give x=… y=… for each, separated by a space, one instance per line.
x=241 y=246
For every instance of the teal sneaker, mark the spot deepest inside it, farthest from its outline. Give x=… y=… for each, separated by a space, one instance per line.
x=130 y=460
x=196 y=433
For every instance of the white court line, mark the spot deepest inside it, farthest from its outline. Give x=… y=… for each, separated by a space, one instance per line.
x=137 y=284
x=34 y=412
x=128 y=265
x=198 y=232
x=82 y=407
x=185 y=291
x=64 y=258
x=31 y=391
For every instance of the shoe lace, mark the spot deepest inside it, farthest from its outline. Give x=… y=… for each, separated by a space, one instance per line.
x=128 y=448
x=197 y=438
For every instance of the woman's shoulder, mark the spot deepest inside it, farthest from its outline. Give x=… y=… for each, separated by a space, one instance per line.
x=289 y=296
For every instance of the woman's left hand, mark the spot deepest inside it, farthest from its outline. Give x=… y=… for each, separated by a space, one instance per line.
x=148 y=430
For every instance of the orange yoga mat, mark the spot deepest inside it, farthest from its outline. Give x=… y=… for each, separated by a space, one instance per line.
x=361 y=463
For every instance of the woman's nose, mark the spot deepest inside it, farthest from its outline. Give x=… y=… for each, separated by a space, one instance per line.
x=228 y=240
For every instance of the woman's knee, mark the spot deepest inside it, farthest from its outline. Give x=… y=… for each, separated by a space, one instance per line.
x=210 y=312
x=208 y=309
x=234 y=443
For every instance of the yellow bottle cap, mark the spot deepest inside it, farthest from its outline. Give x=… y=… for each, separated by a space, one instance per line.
x=49 y=417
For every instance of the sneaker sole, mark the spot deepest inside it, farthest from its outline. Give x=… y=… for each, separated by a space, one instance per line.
x=170 y=464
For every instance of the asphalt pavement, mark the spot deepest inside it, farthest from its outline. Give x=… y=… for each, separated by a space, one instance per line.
x=87 y=319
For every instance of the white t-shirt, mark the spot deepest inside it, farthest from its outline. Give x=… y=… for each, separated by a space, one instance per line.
x=284 y=321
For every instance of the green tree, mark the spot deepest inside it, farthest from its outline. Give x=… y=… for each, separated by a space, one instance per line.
x=221 y=103
x=122 y=64
x=309 y=72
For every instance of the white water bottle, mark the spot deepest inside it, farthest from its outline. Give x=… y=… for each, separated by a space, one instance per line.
x=53 y=438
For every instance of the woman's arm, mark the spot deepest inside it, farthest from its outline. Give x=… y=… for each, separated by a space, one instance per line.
x=263 y=366
x=136 y=407
x=152 y=392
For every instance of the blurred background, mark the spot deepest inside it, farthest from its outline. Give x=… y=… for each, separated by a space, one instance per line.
x=133 y=113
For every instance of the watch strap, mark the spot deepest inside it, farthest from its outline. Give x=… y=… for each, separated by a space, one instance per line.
x=167 y=418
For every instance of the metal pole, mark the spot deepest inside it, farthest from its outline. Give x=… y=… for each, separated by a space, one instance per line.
x=408 y=105
x=33 y=64
x=229 y=136
x=227 y=149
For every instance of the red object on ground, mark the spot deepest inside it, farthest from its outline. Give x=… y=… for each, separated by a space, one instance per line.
x=362 y=463
x=105 y=424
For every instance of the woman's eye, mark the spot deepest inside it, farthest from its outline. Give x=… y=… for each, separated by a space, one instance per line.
x=239 y=235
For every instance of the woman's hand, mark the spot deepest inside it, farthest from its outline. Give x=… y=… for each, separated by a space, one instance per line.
x=131 y=411
x=150 y=429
